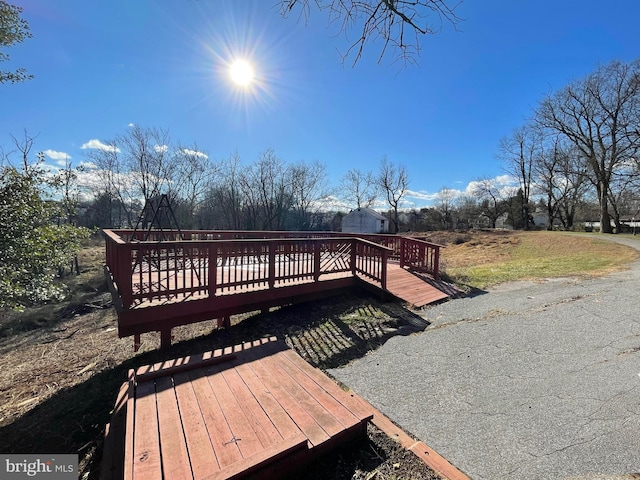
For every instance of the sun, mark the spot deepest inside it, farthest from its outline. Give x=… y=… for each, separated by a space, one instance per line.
x=241 y=73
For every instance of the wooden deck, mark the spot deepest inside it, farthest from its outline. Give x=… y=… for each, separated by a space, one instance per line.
x=250 y=411
x=158 y=285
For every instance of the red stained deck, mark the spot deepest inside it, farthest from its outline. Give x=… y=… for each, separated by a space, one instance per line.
x=254 y=410
x=158 y=285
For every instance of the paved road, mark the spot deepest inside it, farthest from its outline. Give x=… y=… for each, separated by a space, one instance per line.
x=527 y=381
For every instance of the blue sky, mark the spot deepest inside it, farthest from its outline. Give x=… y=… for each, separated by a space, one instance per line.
x=100 y=66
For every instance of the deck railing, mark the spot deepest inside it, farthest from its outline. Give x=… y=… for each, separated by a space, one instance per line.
x=412 y=252
x=153 y=270
x=417 y=254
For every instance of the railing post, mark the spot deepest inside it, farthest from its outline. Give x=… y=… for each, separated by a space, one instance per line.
x=402 y=251
x=212 y=272
x=317 y=251
x=124 y=274
x=436 y=262
x=354 y=251
x=383 y=280
x=272 y=263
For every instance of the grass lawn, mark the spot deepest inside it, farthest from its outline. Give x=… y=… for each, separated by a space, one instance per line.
x=493 y=258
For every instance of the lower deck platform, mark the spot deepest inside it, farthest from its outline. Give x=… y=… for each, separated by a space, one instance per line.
x=256 y=410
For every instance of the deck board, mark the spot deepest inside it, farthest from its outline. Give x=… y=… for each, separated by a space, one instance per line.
x=227 y=452
x=171 y=433
x=201 y=455
x=242 y=434
x=262 y=427
x=146 y=444
x=274 y=381
x=261 y=410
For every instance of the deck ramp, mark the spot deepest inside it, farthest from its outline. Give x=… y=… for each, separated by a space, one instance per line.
x=412 y=288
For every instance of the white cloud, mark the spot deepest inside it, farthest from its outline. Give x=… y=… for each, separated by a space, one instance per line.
x=88 y=165
x=161 y=148
x=195 y=153
x=506 y=180
x=98 y=145
x=504 y=184
x=421 y=195
x=131 y=125
x=53 y=155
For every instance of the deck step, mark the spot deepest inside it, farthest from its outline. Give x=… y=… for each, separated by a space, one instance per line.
x=260 y=410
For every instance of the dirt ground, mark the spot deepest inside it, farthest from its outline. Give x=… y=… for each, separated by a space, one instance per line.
x=62 y=366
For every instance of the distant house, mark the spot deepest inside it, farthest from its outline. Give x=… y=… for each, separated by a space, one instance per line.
x=364 y=220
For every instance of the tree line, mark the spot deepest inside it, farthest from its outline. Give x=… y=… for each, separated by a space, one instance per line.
x=267 y=194
x=582 y=142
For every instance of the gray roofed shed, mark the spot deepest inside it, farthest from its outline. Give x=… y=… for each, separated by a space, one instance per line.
x=364 y=220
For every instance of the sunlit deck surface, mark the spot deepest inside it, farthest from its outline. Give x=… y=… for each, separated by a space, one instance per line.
x=256 y=410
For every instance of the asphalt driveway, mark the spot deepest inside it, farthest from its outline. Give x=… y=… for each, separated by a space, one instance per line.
x=527 y=381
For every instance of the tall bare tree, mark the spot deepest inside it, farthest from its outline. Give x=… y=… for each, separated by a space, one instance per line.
x=393 y=180
x=397 y=24
x=519 y=152
x=135 y=167
x=195 y=176
x=308 y=188
x=600 y=115
x=147 y=155
x=227 y=195
x=359 y=188
x=560 y=174
x=444 y=205
x=266 y=187
x=491 y=199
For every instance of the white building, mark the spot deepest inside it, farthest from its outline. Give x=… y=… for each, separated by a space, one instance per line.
x=364 y=220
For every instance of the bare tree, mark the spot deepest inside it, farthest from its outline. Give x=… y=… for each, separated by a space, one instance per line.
x=396 y=23
x=468 y=211
x=23 y=146
x=491 y=199
x=393 y=181
x=445 y=200
x=194 y=178
x=519 y=152
x=147 y=155
x=135 y=167
x=113 y=185
x=561 y=176
x=266 y=187
x=227 y=196
x=308 y=188
x=359 y=188
x=67 y=182
x=600 y=116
